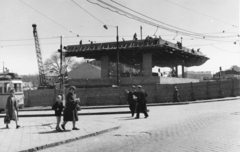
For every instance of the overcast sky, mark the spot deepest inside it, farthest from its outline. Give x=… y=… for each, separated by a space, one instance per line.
x=63 y=17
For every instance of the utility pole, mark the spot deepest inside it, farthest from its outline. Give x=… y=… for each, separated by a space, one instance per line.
x=117 y=60
x=60 y=72
x=141 y=31
x=3 y=67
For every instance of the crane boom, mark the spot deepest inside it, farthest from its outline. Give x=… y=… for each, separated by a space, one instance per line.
x=42 y=78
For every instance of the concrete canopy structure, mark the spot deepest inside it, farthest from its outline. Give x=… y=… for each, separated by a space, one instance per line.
x=148 y=53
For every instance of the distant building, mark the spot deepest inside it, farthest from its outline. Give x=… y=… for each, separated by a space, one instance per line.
x=227 y=74
x=201 y=75
x=85 y=70
x=235 y=68
x=52 y=78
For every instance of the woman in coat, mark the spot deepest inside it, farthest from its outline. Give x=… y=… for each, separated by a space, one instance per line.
x=12 y=108
x=70 y=111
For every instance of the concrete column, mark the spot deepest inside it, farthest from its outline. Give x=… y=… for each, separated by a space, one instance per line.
x=147 y=64
x=104 y=67
x=183 y=76
x=176 y=70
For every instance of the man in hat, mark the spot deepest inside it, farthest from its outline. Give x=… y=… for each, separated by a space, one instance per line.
x=131 y=99
x=141 y=101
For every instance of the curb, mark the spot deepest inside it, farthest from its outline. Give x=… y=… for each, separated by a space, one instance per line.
x=70 y=140
x=124 y=106
x=213 y=100
x=150 y=104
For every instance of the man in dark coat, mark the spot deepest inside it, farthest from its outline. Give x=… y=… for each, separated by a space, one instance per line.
x=141 y=102
x=175 y=95
x=131 y=99
x=70 y=111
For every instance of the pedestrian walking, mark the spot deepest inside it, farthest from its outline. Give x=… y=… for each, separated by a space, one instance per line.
x=141 y=102
x=175 y=95
x=132 y=99
x=12 y=108
x=70 y=111
x=58 y=108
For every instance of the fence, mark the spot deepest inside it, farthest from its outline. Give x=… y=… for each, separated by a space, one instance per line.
x=157 y=93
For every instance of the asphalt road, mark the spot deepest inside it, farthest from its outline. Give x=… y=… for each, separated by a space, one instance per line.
x=203 y=127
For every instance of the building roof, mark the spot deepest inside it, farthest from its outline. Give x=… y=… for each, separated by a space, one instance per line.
x=164 y=53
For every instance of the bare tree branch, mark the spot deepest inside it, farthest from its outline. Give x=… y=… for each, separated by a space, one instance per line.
x=53 y=63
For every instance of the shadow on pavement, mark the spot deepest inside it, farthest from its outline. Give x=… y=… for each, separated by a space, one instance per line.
x=126 y=118
x=53 y=131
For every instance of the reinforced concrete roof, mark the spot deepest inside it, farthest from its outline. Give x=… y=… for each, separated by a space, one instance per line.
x=164 y=53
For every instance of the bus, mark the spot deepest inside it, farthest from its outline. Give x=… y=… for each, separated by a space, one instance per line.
x=10 y=81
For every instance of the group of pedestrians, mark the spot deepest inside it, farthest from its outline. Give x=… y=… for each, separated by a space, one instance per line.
x=70 y=111
x=137 y=101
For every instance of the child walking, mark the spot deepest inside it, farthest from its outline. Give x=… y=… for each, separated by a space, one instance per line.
x=58 y=108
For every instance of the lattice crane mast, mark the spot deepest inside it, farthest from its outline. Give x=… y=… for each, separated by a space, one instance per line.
x=42 y=78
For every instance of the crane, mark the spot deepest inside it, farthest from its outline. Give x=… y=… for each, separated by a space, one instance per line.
x=42 y=78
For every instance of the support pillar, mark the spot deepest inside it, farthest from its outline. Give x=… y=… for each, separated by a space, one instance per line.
x=176 y=70
x=104 y=67
x=147 y=64
x=183 y=75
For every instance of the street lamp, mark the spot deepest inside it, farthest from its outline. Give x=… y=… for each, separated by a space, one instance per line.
x=61 y=52
x=62 y=88
x=105 y=26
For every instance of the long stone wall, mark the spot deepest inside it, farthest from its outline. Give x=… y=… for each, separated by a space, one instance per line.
x=157 y=93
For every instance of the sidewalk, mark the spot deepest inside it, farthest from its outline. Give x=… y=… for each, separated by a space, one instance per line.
x=103 y=110
x=39 y=133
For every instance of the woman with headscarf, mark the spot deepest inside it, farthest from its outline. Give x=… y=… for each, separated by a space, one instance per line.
x=70 y=112
x=12 y=108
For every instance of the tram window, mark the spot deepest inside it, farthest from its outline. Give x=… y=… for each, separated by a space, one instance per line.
x=1 y=88
x=17 y=87
x=6 y=88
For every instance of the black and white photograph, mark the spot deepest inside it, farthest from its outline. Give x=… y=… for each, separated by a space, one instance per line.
x=120 y=75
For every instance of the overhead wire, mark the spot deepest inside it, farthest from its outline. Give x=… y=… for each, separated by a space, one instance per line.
x=49 y=18
x=151 y=17
x=131 y=16
x=158 y=20
x=223 y=49
x=87 y=11
x=199 y=13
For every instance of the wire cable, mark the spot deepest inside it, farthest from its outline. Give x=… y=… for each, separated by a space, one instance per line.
x=87 y=11
x=131 y=16
x=48 y=18
x=223 y=49
x=200 y=13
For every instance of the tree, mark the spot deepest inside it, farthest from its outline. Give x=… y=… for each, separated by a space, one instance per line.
x=31 y=78
x=52 y=64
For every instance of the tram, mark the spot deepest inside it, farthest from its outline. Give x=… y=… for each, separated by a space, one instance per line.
x=10 y=81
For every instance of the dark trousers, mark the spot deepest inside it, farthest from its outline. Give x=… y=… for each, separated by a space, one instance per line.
x=176 y=99
x=143 y=109
x=132 y=108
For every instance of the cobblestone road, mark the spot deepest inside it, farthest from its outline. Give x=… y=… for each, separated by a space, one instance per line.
x=200 y=127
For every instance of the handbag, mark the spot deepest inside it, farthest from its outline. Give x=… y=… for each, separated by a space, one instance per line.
x=6 y=120
x=78 y=107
